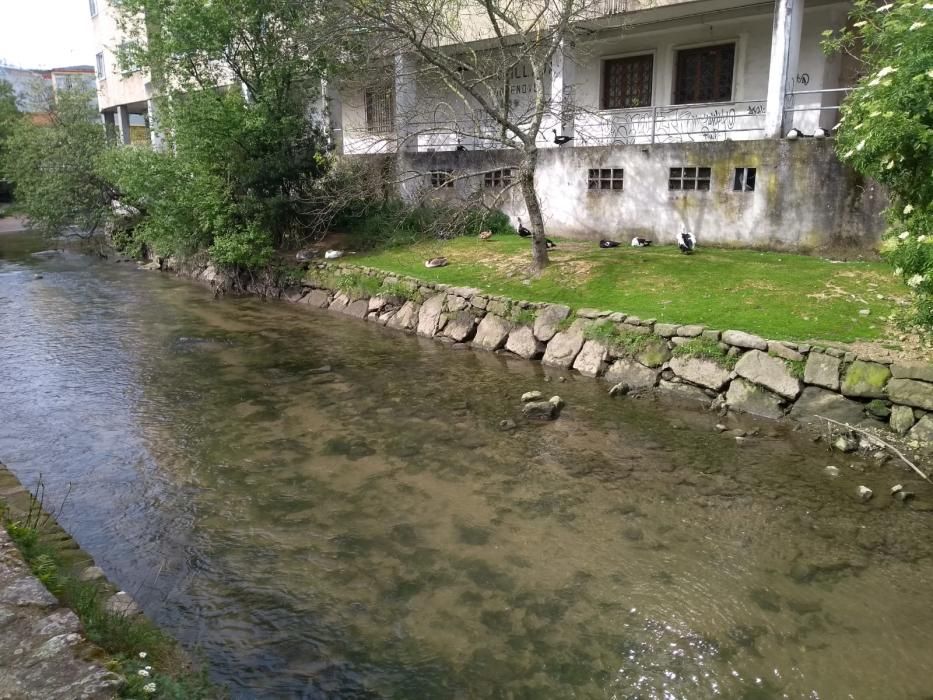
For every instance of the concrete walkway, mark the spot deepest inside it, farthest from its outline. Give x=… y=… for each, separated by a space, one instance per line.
x=43 y=653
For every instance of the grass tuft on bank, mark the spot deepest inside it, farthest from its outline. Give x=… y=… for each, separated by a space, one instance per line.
x=776 y=295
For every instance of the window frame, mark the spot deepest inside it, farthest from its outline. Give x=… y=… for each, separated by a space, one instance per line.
x=498 y=179
x=605 y=179
x=441 y=178
x=604 y=79
x=100 y=65
x=733 y=76
x=93 y=7
x=740 y=179
x=371 y=93
x=695 y=175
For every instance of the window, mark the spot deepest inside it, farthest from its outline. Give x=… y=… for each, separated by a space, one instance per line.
x=441 y=178
x=744 y=180
x=498 y=178
x=627 y=82
x=93 y=8
x=704 y=74
x=689 y=179
x=100 y=66
x=605 y=179
x=380 y=109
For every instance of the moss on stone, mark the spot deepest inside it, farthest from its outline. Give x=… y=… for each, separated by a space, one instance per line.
x=865 y=379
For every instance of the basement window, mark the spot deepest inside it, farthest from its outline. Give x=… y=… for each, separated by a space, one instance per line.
x=605 y=179
x=744 y=180
x=497 y=179
x=442 y=178
x=689 y=179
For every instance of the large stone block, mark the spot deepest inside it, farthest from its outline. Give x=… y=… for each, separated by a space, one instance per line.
x=460 y=326
x=357 y=309
x=866 y=379
x=700 y=371
x=635 y=374
x=822 y=370
x=523 y=343
x=406 y=318
x=564 y=347
x=783 y=351
x=747 y=397
x=769 y=372
x=921 y=435
x=318 y=298
x=911 y=392
x=429 y=318
x=902 y=419
x=548 y=319
x=492 y=332
x=685 y=391
x=912 y=370
x=744 y=340
x=591 y=360
x=654 y=353
x=820 y=402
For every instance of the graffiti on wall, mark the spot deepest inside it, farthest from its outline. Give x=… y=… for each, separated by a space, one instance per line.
x=678 y=124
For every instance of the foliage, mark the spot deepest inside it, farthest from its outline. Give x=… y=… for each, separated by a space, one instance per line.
x=400 y=290
x=9 y=115
x=886 y=131
x=707 y=349
x=54 y=166
x=624 y=343
x=357 y=285
x=523 y=317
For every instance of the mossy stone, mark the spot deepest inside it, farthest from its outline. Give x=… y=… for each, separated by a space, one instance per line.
x=654 y=354
x=878 y=409
x=866 y=379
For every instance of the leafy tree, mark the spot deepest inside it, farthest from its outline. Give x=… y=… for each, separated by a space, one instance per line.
x=237 y=80
x=886 y=131
x=53 y=165
x=9 y=114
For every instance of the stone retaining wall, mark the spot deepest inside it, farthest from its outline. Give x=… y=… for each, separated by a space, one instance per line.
x=729 y=368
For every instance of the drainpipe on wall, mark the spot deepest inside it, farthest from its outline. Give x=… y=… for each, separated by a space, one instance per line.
x=785 y=52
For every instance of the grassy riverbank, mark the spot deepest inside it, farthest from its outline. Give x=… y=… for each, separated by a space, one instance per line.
x=777 y=295
x=150 y=661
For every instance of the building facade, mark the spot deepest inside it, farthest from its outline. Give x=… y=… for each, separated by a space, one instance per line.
x=710 y=115
x=35 y=88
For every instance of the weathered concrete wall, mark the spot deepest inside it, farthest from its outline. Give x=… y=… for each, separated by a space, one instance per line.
x=804 y=198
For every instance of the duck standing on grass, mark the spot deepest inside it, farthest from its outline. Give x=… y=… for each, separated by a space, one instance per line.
x=485 y=235
x=640 y=242
x=522 y=231
x=686 y=242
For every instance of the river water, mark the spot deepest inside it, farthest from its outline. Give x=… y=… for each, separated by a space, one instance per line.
x=370 y=532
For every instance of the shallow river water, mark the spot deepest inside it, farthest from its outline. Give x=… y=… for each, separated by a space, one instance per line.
x=371 y=532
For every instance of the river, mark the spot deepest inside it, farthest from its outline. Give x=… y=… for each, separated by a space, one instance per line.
x=371 y=532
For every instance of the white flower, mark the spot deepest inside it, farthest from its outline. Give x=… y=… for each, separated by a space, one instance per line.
x=915 y=281
x=928 y=6
x=916 y=25
x=148 y=668
x=143 y=672
x=887 y=70
x=861 y=24
x=874 y=81
x=142 y=655
x=921 y=239
x=149 y=688
x=848 y=154
x=909 y=208
x=861 y=145
x=898 y=271
x=885 y=8
x=930 y=73
x=889 y=164
x=904 y=235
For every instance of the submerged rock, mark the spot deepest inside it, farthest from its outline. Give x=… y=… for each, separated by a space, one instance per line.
x=620 y=389
x=864 y=493
x=532 y=396
x=831 y=470
x=846 y=443
x=540 y=410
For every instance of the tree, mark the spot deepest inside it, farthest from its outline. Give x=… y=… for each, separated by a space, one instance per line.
x=434 y=41
x=9 y=114
x=237 y=83
x=886 y=131
x=53 y=165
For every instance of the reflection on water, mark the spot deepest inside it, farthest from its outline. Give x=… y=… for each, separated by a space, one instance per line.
x=370 y=532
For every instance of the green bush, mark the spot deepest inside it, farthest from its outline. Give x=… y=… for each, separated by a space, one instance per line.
x=886 y=131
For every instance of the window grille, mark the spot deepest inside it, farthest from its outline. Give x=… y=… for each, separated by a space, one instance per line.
x=627 y=82
x=689 y=179
x=497 y=178
x=605 y=179
x=704 y=74
x=380 y=109
x=441 y=178
x=100 y=66
x=744 y=180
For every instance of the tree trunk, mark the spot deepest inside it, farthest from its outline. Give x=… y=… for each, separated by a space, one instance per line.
x=526 y=176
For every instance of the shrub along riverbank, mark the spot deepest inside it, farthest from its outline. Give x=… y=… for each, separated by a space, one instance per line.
x=777 y=295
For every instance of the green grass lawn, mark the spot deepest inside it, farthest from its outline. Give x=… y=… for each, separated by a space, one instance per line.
x=776 y=295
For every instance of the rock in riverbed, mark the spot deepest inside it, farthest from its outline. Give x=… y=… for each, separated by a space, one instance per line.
x=532 y=396
x=864 y=493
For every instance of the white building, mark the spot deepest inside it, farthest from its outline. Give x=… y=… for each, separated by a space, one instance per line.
x=693 y=114
x=124 y=93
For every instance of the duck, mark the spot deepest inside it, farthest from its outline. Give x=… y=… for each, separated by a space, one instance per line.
x=548 y=243
x=305 y=255
x=522 y=231
x=333 y=254
x=561 y=140
x=686 y=241
x=485 y=235
x=604 y=243
x=460 y=147
x=640 y=242
x=436 y=262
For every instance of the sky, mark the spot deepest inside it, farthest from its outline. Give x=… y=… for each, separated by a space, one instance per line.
x=46 y=33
